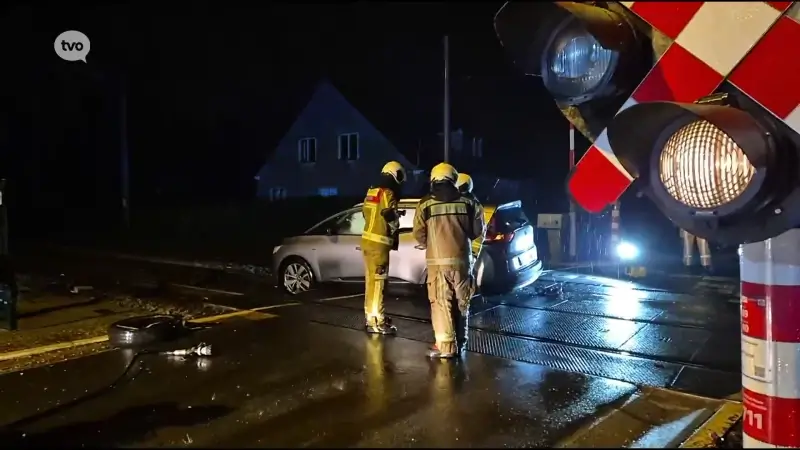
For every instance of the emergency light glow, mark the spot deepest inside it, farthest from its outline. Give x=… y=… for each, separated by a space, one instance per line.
x=702 y=167
x=627 y=251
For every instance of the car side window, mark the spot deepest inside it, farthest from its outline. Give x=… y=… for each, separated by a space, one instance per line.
x=351 y=224
x=407 y=221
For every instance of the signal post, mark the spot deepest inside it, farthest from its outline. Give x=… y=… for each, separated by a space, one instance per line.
x=770 y=289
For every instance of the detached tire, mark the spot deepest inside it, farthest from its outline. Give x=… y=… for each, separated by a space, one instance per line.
x=145 y=330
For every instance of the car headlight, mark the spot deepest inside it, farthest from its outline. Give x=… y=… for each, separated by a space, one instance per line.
x=575 y=63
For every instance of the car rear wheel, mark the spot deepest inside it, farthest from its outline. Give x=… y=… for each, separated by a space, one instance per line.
x=296 y=276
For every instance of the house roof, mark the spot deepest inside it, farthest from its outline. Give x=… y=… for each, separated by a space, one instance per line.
x=395 y=133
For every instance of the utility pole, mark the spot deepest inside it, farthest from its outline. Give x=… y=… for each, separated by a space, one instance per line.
x=446 y=114
x=124 y=167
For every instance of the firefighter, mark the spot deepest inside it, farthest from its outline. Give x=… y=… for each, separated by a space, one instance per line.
x=702 y=247
x=445 y=223
x=380 y=236
x=465 y=186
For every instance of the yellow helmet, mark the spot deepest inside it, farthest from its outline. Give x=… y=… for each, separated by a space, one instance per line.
x=464 y=183
x=395 y=170
x=443 y=172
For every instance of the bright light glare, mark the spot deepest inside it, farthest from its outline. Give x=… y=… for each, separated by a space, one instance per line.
x=627 y=251
x=702 y=167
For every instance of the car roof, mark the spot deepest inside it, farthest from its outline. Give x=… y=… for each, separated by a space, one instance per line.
x=412 y=202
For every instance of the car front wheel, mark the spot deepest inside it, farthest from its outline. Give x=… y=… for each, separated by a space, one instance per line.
x=296 y=276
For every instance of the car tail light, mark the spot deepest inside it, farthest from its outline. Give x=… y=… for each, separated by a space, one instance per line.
x=498 y=237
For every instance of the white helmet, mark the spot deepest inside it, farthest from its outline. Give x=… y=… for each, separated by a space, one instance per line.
x=396 y=171
x=464 y=183
x=443 y=172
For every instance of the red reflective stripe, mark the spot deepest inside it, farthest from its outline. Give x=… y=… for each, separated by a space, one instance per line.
x=785 y=315
x=596 y=182
x=374 y=198
x=780 y=6
x=773 y=420
x=679 y=76
x=668 y=17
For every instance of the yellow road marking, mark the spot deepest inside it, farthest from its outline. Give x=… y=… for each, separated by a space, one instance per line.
x=719 y=423
x=51 y=347
x=254 y=314
x=243 y=312
x=97 y=339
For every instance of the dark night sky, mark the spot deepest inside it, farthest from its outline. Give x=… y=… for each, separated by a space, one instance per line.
x=213 y=86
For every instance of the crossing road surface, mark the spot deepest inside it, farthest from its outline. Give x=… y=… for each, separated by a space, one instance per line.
x=686 y=340
x=289 y=382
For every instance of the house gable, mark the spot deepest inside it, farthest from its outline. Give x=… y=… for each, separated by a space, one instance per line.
x=326 y=117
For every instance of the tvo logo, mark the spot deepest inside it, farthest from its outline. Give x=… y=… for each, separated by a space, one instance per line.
x=72 y=46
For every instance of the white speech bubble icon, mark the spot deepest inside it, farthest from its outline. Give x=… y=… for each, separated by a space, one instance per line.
x=72 y=46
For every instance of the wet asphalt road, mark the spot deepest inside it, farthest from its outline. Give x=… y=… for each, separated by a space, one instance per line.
x=542 y=362
x=264 y=389
x=686 y=340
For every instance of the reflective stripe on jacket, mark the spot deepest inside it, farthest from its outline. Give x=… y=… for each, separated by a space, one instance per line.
x=447 y=228
x=377 y=205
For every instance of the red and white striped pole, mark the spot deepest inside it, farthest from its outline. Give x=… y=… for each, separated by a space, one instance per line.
x=770 y=273
x=615 y=227
x=573 y=225
x=571 y=146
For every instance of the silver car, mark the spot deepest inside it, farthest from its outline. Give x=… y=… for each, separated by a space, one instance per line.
x=330 y=251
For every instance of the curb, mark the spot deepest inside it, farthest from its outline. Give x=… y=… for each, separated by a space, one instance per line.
x=637 y=422
x=51 y=348
x=98 y=339
x=716 y=426
x=211 y=265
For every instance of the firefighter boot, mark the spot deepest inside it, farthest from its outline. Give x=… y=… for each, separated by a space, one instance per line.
x=374 y=326
x=435 y=352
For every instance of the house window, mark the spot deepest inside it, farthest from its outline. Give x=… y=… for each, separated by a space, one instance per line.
x=328 y=191
x=307 y=150
x=277 y=193
x=348 y=146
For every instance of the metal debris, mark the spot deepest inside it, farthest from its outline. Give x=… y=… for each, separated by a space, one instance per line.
x=201 y=349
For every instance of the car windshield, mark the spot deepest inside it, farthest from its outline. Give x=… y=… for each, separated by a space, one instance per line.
x=328 y=224
x=508 y=219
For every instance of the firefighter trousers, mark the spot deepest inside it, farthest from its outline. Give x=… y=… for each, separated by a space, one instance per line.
x=376 y=265
x=703 y=248
x=449 y=292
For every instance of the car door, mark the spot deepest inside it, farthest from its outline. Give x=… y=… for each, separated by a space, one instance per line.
x=407 y=262
x=348 y=260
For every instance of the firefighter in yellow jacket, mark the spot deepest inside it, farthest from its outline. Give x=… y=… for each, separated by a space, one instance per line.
x=380 y=236
x=445 y=224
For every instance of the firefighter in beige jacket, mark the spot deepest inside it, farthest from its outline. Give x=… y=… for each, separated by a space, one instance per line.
x=445 y=224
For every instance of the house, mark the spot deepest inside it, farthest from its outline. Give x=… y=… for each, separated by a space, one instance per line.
x=331 y=149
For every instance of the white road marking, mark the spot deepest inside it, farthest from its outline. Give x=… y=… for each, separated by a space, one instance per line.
x=339 y=297
x=197 y=288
